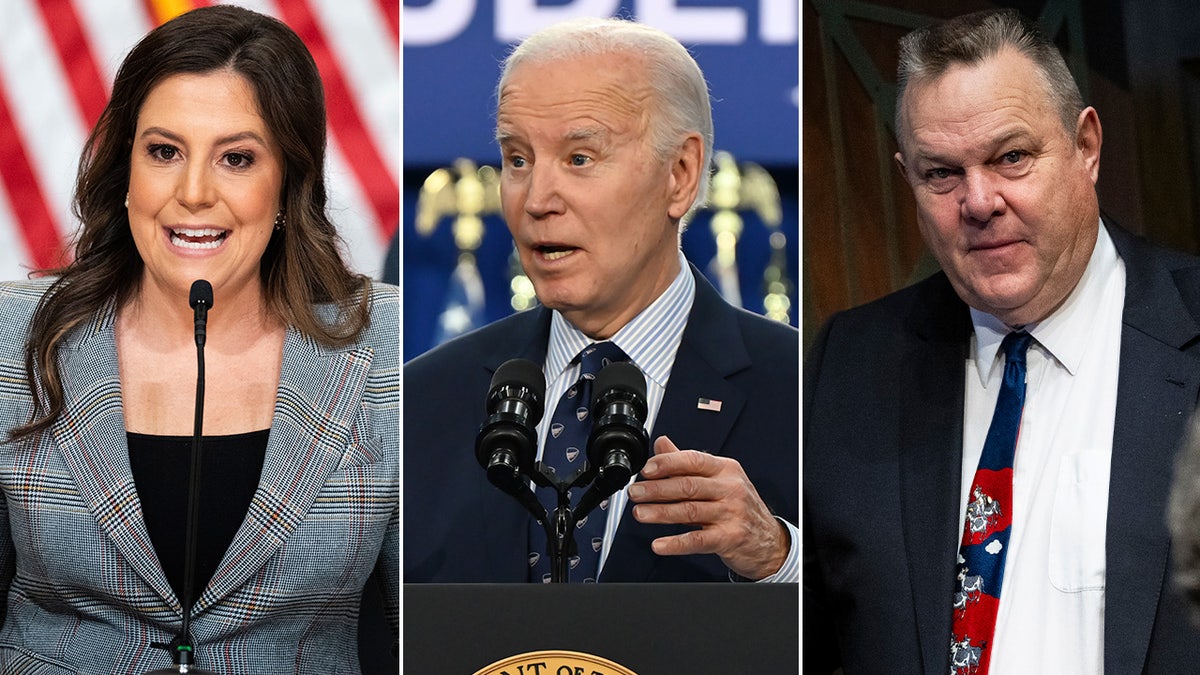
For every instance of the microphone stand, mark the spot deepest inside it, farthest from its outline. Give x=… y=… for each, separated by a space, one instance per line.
x=183 y=653
x=560 y=523
x=616 y=452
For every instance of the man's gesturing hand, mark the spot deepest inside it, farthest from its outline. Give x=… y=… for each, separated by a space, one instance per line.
x=696 y=488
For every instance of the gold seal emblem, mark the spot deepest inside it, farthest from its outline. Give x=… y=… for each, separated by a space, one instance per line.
x=555 y=662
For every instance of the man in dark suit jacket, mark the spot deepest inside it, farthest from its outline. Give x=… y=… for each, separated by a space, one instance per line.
x=1002 y=159
x=458 y=527
x=596 y=182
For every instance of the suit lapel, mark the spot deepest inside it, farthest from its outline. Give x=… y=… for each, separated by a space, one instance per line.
x=710 y=350
x=1156 y=392
x=90 y=434
x=320 y=394
x=931 y=463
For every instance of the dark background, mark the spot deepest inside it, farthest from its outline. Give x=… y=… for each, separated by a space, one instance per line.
x=1137 y=62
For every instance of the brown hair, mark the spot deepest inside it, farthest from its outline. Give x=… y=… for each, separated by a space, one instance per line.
x=302 y=265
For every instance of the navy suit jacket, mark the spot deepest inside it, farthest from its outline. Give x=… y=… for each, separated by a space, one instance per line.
x=459 y=528
x=883 y=414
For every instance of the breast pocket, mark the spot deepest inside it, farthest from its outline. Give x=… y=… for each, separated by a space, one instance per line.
x=362 y=452
x=342 y=534
x=1077 y=529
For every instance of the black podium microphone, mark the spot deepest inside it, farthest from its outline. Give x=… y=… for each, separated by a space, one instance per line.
x=618 y=446
x=507 y=442
x=182 y=651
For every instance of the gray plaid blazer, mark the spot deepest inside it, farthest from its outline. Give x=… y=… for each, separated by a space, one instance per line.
x=83 y=588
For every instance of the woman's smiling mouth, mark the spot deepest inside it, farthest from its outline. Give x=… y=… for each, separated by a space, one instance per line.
x=199 y=238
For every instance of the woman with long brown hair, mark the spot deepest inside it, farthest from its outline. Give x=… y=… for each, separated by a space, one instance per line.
x=207 y=163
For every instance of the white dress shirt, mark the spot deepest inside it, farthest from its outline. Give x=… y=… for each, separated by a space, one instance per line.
x=650 y=340
x=1051 y=615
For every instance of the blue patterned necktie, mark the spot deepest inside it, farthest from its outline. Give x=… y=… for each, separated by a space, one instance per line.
x=989 y=522
x=566 y=450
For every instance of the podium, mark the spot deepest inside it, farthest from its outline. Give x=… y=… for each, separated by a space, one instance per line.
x=651 y=629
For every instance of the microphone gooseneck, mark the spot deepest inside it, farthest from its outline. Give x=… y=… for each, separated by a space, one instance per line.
x=182 y=650
x=201 y=300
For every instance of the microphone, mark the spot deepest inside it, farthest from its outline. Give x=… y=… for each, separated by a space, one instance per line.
x=507 y=442
x=201 y=300
x=618 y=446
x=182 y=650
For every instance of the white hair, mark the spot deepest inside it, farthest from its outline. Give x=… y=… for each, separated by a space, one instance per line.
x=678 y=85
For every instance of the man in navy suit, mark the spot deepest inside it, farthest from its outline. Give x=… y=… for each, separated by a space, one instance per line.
x=1002 y=157
x=606 y=134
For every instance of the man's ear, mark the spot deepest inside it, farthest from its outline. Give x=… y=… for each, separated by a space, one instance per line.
x=687 y=170
x=1088 y=138
x=900 y=165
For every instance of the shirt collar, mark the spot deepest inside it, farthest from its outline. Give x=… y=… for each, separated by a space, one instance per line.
x=650 y=339
x=1065 y=333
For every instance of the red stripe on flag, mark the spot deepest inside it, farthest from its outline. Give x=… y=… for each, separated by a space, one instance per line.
x=66 y=32
x=151 y=12
x=391 y=13
x=28 y=204
x=346 y=122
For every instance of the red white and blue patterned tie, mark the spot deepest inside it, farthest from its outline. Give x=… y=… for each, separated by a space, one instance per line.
x=989 y=522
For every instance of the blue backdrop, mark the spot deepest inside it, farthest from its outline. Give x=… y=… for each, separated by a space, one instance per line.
x=748 y=50
x=453 y=50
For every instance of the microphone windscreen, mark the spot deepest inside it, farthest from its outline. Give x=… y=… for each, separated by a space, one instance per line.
x=522 y=373
x=621 y=375
x=201 y=293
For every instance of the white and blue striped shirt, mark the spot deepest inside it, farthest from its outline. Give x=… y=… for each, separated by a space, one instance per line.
x=651 y=340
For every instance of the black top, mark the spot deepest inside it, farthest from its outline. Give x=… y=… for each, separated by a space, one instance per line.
x=228 y=478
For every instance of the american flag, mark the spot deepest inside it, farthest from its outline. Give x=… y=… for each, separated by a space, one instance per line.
x=57 y=62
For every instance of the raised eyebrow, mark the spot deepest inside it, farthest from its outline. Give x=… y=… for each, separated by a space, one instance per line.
x=224 y=140
x=242 y=136
x=512 y=141
x=926 y=162
x=1019 y=135
x=581 y=134
x=586 y=133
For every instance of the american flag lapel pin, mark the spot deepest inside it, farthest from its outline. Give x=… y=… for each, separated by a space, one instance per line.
x=710 y=404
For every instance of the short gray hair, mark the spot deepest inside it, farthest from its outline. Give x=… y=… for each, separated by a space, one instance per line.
x=969 y=39
x=677 y=83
